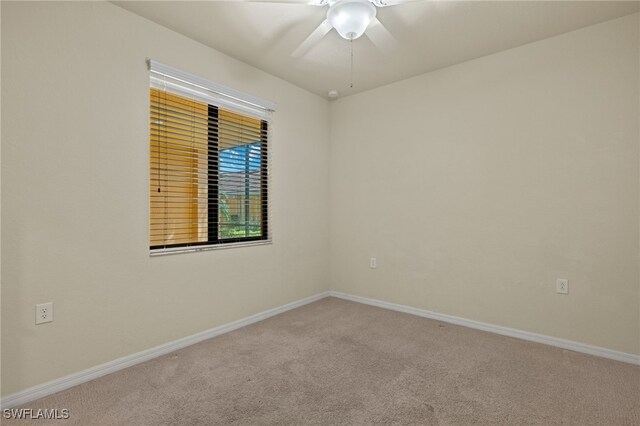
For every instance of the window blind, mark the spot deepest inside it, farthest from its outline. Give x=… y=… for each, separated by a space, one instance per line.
x=209 y=164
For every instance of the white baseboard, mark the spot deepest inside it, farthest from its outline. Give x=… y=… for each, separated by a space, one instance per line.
x=505 y=331
x=74 y=379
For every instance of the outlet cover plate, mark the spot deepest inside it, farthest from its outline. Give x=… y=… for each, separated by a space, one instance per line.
x=44 y=312
x=562 y=286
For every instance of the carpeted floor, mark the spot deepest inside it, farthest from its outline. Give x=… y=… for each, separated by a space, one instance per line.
x=338 y=362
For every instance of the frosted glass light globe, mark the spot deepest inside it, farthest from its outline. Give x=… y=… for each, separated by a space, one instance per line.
x=351 y=17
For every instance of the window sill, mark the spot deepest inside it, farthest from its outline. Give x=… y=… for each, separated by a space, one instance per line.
x=179 y=250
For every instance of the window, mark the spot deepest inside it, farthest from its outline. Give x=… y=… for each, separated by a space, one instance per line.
x=209 y=161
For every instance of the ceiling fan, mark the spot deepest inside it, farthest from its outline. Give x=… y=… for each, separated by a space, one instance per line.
x=351 y=19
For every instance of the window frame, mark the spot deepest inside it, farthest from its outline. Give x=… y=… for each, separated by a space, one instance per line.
x=213 y=180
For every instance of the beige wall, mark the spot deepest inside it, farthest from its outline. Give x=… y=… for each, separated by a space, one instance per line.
x=0 y=205
x=522 y=167
x=75 y=157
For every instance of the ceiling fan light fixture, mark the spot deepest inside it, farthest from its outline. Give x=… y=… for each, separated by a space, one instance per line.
x=351 y=18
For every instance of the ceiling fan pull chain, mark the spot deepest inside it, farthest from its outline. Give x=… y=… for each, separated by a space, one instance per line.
x=351 y=76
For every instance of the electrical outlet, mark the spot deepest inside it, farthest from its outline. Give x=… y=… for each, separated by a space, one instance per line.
x=44 y=312
x=562 y=286
x=373 y=264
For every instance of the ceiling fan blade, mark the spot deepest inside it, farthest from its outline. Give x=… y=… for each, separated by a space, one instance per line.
x=311 y=2
x=385 y=3
x=380 y=36
x=313 y=39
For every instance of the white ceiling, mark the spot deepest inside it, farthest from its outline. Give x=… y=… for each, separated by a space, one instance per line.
x=430 y=35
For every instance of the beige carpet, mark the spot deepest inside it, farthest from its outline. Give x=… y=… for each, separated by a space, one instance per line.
x=338 y=362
